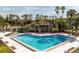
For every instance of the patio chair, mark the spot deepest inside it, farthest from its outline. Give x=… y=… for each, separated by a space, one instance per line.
x=72 y=40
x=12 y=47
x=69 y=50
x=6 y=42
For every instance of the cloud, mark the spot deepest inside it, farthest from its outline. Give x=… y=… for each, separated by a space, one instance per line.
x=45 y=10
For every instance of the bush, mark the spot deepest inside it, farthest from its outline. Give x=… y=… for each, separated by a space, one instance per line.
x=54 y=29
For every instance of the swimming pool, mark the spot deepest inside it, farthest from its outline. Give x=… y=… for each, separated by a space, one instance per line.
x=41 y=42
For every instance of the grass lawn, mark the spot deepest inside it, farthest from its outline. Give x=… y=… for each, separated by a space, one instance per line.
x=4 y=48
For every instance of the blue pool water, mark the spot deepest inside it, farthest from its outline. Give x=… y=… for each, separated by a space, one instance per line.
x=41 y=42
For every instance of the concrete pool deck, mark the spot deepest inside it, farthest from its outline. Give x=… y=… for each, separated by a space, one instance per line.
x=20 y=48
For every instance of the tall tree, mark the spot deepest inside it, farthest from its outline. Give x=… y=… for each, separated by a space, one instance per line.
x=37 y=17
x=25 y=17
x=14 y=19
x=30 y=17
x=71 y=14
x=57 y=8
x=62 y=9
x=76 y=22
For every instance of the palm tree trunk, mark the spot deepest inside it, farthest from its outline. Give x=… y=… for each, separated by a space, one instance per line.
x=76 y=31
x=62 y=15
x=57 y=15
x=71 y=24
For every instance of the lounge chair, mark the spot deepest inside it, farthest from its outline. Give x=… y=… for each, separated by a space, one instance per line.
x=72 y=39
x=11 y=34
x=8 y=34
x=1 y=40
x=69 y=50
x=6 y=42
x=12 y=47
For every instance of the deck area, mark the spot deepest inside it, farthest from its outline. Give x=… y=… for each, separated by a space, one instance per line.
x=19 y=48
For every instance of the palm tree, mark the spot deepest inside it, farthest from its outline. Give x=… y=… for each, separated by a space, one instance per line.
x=62 y=9
x=76 y=22
x=14 y=19
x=25 y=17
x=57 y=8
x=41 y=19
x=62 y=25
x=37 y=19
x=30 y=17
x=46 y=17
x=70 y=14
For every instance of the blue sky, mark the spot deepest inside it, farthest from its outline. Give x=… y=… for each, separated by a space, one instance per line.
x=20 y=10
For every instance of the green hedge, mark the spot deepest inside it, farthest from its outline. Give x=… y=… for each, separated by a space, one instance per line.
x=54 y=29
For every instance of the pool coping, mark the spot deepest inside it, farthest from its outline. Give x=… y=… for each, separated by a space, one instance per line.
x=27 y=46
x=34 y=49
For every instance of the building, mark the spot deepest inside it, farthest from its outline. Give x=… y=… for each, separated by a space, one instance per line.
x=42 y=28
x=15 y=28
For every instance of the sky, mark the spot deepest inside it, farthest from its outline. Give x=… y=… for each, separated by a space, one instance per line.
x=41 y=10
